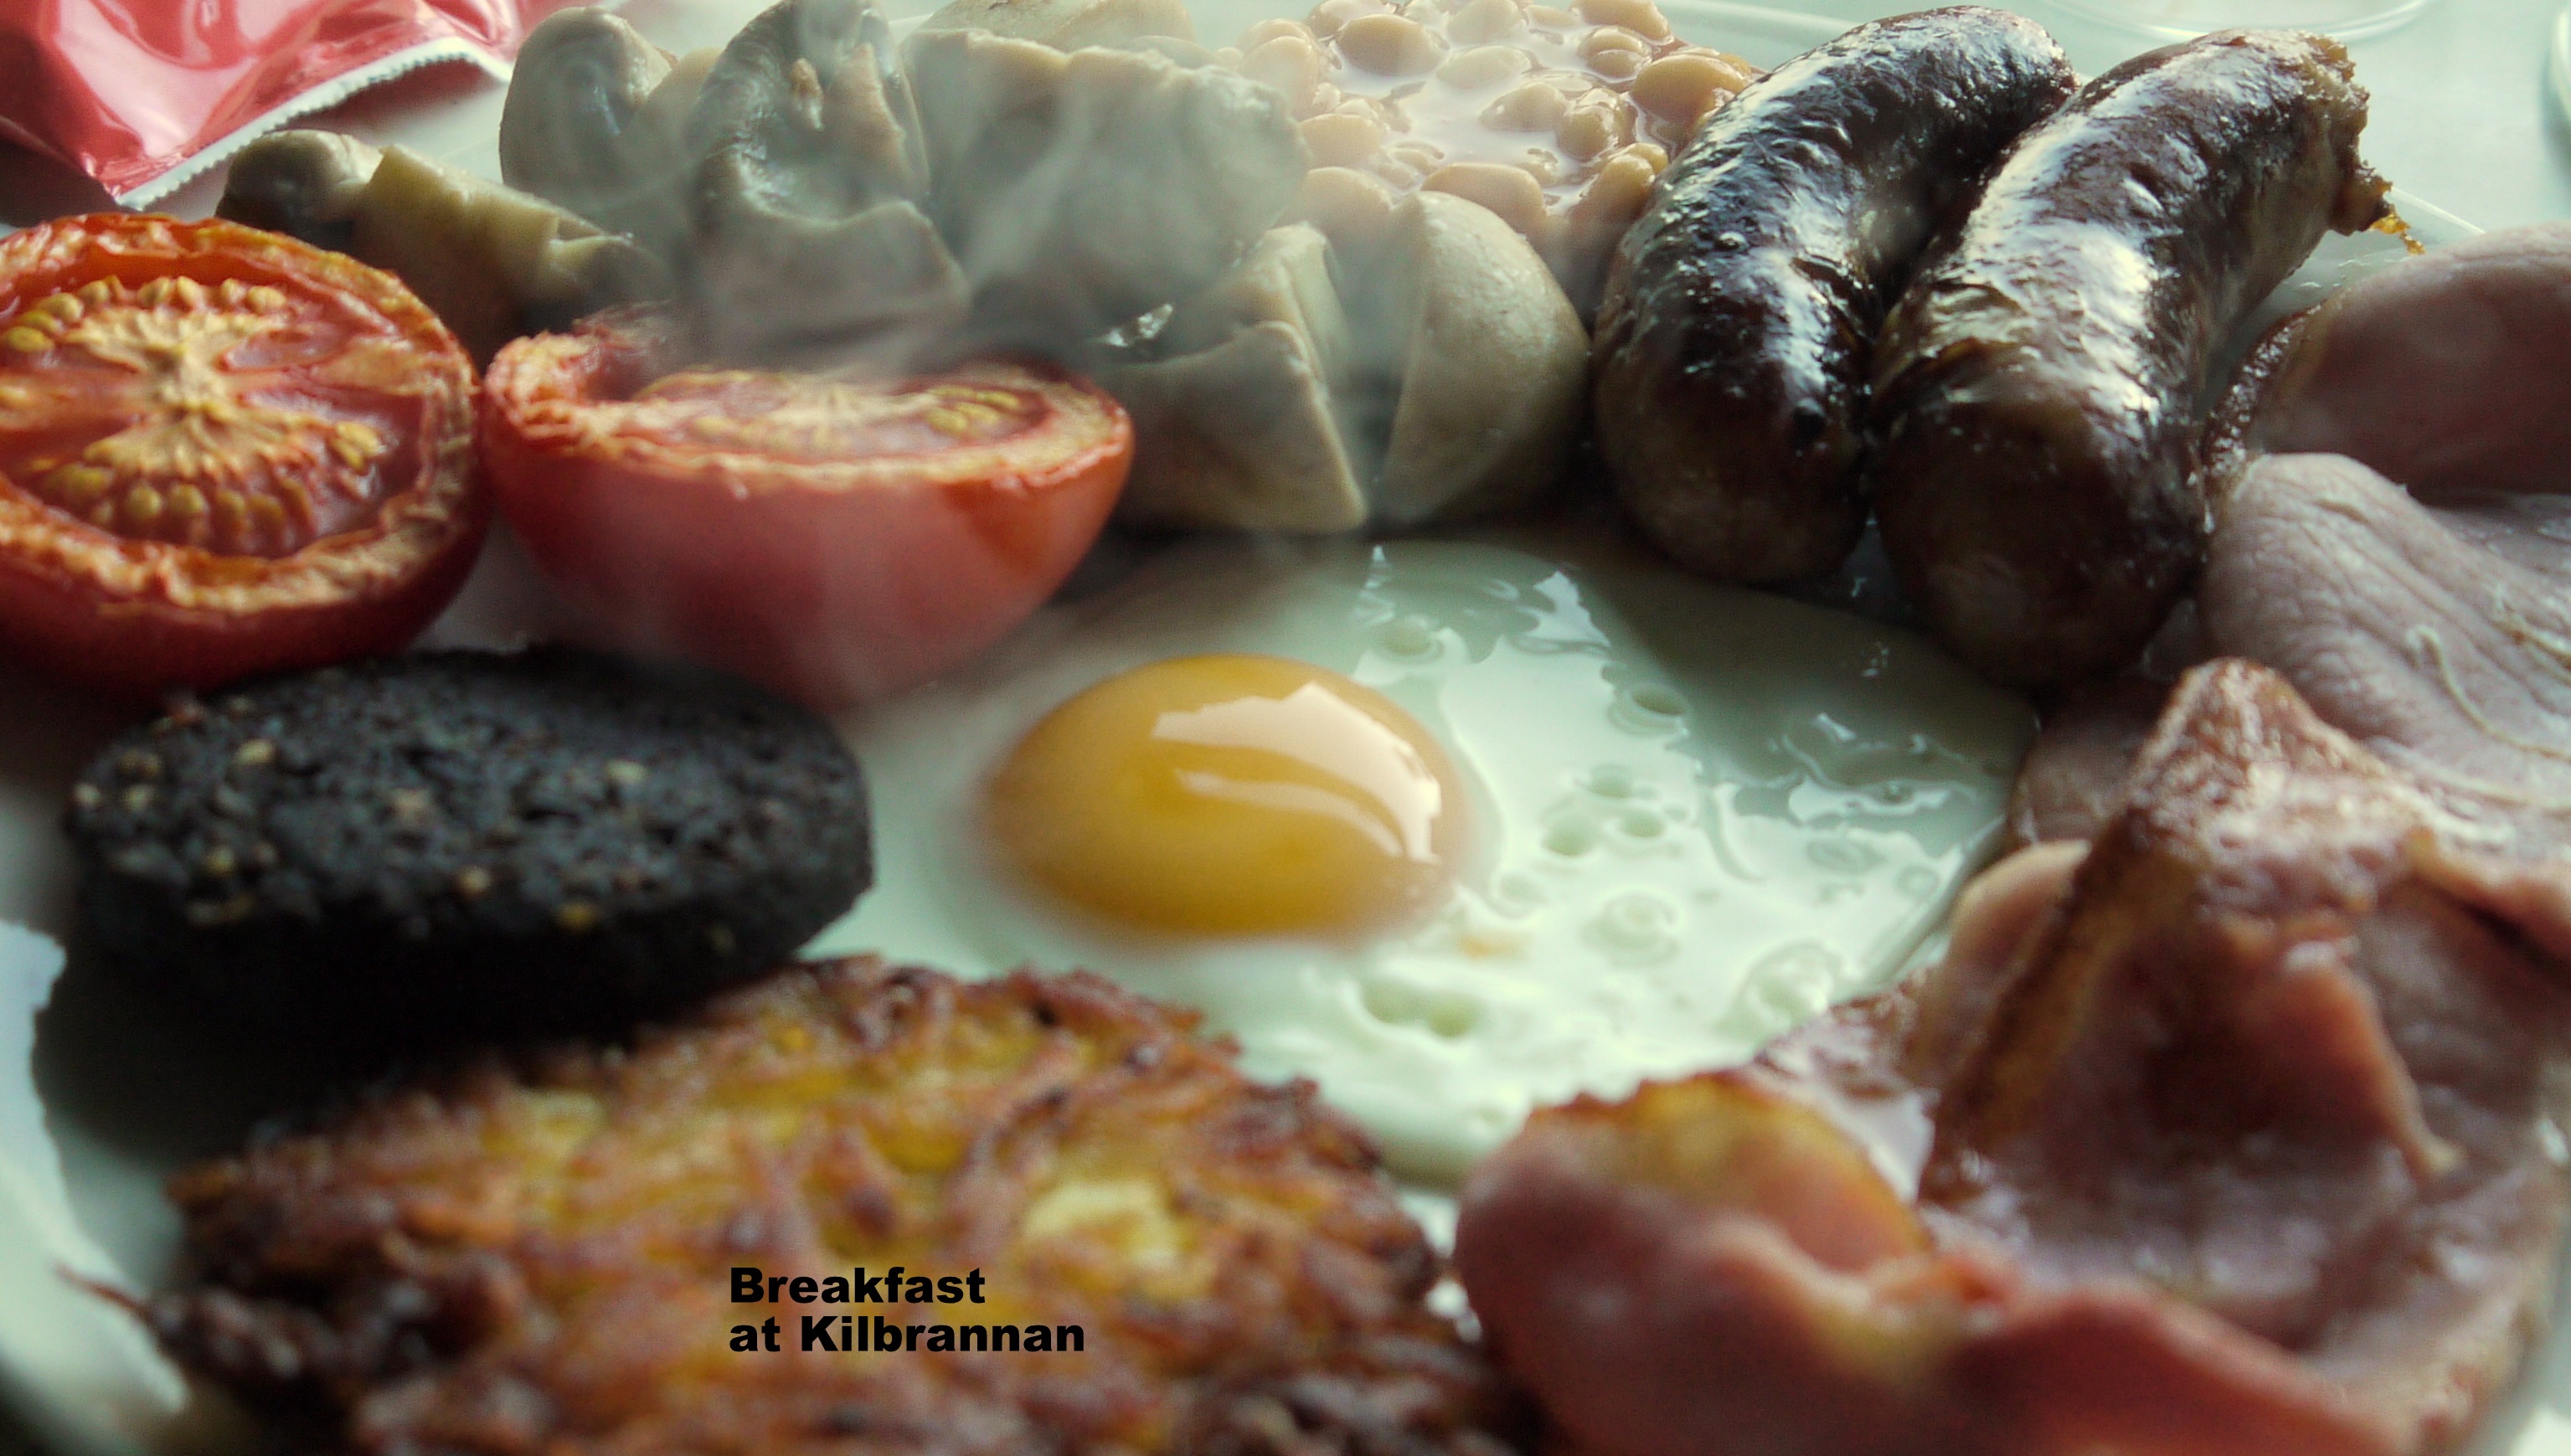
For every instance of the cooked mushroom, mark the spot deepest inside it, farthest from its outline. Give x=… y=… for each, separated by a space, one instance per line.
x=300 y=183
x=1084 y=190
x=596 y=121
x=1445 y=383
x=807 y=221
x=1067 y=25
x=494 y=263
x=1238 y=436
x=1236 y=429
x=1486 y=354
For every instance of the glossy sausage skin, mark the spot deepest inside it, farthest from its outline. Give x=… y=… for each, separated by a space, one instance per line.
x=1742 y=305
x=2040 y=387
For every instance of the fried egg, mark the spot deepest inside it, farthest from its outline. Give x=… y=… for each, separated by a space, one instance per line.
x=1456 y=829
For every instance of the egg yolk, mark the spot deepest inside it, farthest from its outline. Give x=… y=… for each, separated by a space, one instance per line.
x=1232 y=795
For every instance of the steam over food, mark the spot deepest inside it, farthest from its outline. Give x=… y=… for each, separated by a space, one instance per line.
x=1439 y=380
x=596 y=121
x=838 y=191
x=2235 y=1136
x=2040 y=386
x=2230 y=1132
x=809 y=180
x=1739 y=322
x=1084 y=180
x=837 y=536
x=1557 y=120
x=539 y=1257
x=1082 y=190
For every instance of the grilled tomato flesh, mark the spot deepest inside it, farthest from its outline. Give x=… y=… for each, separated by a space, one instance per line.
x=221 y=452
x=838 y=538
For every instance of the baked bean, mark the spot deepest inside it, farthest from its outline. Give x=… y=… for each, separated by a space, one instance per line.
x=1485 y=66
x=1480 y=22
x=1530 y=105
x=1353 y=209
x=1616 y=196
x=1393 y=170
x=1507 y=191
x=1596 y=122
x=1388 y=45
x=1331 y=16
x=1269 y=30
x=1290 y=63
x=1611 y=38
x=1680 y=88
x=1739 y=73
x=1616 y=65
x=1642 y=17
x=1337 y=139
x=1424 y=157
x=1556 y=120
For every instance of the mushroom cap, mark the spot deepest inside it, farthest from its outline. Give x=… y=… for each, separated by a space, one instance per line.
x=595 y=121
x=1493 y=363
x=805 y=225
x=1238 y=427
x=492 y=261
x=808 y=111
x=1448 y=383
x=816 y=287
x=1083 y=190
x=1238 y=436
x=1287 y=276
x=304 y=183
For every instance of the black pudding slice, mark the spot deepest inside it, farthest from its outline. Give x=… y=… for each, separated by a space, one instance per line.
x=468 y=843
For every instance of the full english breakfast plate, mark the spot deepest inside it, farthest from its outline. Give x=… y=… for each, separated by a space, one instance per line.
x=1285 y=646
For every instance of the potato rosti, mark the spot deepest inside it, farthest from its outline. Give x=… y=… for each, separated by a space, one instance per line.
x=542 y=1255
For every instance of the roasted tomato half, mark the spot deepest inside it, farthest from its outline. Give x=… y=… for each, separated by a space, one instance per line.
x=836 y=539
x=221 y=452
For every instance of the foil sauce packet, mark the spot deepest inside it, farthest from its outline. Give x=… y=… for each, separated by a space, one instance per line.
x=144 y=95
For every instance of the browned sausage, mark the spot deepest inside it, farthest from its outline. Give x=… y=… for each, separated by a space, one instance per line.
x=2040 y=387
x=1742 y=306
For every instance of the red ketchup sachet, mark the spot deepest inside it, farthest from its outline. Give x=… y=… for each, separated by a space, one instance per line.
x=143 y=94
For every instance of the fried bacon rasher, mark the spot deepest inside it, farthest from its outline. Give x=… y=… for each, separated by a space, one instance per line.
x=2229 y=1134
x=539 y=1257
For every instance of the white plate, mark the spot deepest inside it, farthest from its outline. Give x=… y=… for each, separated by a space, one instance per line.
x=2166 y=20
x=101 y=1098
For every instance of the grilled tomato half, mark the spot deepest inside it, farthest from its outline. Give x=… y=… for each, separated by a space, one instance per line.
x=221 y=452
x=836 y=538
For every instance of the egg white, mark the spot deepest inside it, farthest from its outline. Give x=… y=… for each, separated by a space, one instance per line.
x=1701 y=815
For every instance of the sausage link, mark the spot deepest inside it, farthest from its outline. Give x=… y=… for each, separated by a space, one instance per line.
x=2040 y=387
x=1743 y=304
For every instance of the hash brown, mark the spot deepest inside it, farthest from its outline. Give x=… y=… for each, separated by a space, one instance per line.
x=534 y=1254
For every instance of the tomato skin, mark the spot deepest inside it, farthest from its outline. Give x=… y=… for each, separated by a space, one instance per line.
x=835 y=581
x=137 y=647
x=130 y=616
